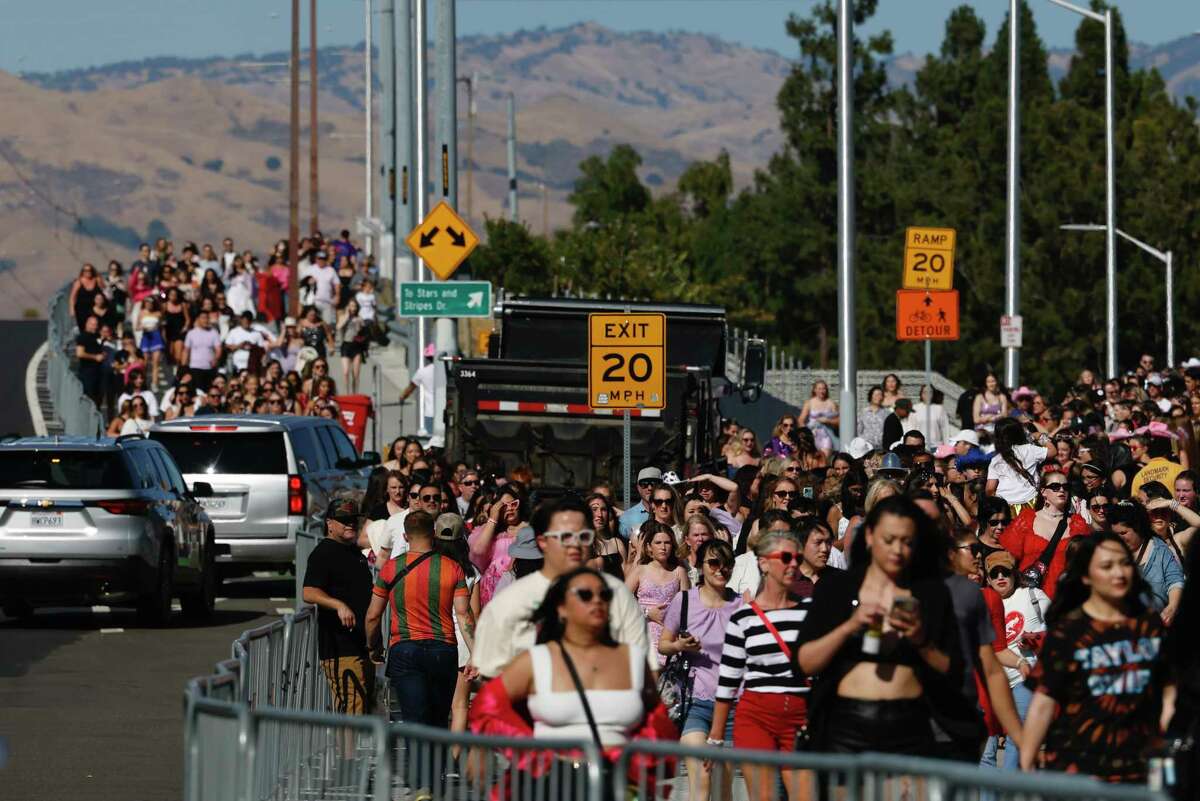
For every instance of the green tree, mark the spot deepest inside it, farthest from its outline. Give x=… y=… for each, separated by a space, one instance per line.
x=513 y=258
x=609 y=188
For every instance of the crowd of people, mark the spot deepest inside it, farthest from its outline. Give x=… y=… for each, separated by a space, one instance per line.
x=1013 y=594
x=202 y=332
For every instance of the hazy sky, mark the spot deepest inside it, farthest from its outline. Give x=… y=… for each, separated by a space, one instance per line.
x=61 y=34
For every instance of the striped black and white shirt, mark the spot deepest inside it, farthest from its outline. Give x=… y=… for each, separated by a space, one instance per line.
x=752 y=657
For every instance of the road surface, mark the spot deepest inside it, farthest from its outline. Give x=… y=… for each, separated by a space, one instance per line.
x=91 y=704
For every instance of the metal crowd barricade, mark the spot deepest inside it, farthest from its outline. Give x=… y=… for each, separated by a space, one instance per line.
x=804 y=776
x=76 y=410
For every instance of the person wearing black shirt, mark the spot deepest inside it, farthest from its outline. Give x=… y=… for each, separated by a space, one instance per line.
x=338 y=581
x=893 y=424
x=90 y=355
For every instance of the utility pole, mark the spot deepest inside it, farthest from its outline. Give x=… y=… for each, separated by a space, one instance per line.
x=446 y=82
x=847 y=335
x=294 y=170
x=1012 y=261
x=312 y=118
x=545 y=210
x=387 y=131
x=403 y=156
x=422 y=163
x=368 y=55
x=1110 y=277
x=512 y=159
x=470 y=82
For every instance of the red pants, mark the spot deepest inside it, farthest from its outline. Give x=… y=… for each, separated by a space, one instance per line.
x=769 y=721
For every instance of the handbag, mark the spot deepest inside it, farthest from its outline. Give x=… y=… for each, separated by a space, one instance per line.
x=675 y=680
x=1035 y=574
x=803 y=738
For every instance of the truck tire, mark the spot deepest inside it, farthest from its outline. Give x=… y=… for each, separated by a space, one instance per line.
x=200 y=601
x=154 y=606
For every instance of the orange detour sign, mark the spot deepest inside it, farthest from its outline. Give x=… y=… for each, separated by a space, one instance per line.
x=926 y=315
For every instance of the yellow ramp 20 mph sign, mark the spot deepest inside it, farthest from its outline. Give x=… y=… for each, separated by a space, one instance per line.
x=627 y=361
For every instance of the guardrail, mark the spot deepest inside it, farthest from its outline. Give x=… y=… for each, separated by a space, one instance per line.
x=260 y=727
x=76 y=410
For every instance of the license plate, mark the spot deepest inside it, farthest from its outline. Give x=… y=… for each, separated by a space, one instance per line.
x=47 y=519
x=214 y=503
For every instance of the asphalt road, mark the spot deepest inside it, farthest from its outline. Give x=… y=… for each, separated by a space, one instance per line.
x=91 y=704
x=18 y=341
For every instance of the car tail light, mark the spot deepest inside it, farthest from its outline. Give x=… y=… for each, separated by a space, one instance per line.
x=124 y=507
x=295 y=495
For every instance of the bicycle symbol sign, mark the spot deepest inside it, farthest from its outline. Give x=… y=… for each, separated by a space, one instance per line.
x=929 y=258
x=926 y=315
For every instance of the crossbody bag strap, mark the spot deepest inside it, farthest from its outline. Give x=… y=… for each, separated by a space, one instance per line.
x=783 y=646
x=587 y=708
x=1048 y=554
x=409 y=568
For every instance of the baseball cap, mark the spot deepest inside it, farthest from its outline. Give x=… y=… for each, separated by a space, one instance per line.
x=344 y=509
x=968 y=436
x=859 y=447
x=1155 y=379
x=1023 y=392
x=525 y=545
x=649 y=474
x=999 y=559
x=1093 y=467
x=944 y=451
x=448 y=526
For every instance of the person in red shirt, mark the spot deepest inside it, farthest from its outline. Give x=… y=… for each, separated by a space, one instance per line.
x=1030 y=535
x=270 y=295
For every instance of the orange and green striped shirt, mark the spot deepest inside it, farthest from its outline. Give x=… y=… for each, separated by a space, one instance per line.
x=423 y=602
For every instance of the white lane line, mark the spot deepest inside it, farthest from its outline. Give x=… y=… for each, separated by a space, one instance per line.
x=112 y=631
x=101 y=610
x=31 y=396
x=277 y=600
x=284 y=610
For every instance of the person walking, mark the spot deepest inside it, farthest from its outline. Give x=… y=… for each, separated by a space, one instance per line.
x=695 y=627
x=337 y=579
x=758 y=660
x=506 y=628
x=1097 y=685
x=1038 y=538
x=632 y=518
x=426 y=591
x=658 y=577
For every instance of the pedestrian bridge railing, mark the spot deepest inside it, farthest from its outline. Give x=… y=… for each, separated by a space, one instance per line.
x=261 y=727
x=76 y=410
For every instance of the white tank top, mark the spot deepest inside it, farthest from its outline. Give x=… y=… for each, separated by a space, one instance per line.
x=559 y=713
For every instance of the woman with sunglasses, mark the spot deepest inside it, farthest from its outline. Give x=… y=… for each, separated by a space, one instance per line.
x=1025 y=627
x=1158 y=564
x=1098 y=690
x=1031 y=534
x=777 y=494
x=758 y=659
x=658 y=577
x=489 y=542
x=743 y=450
x=994 y=517
x=882 y=638
x=702 y=637
x=139 y=421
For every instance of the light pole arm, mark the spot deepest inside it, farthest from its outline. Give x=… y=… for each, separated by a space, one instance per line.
x=1086 y=12
x=1156 y=253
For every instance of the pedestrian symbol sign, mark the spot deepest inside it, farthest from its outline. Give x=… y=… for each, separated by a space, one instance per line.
x=929 y=258
x=627 y=364
x=926 y=315
x=443 y=240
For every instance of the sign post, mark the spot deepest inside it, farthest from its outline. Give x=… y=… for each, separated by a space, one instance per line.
x=627 y=355
x=927 y=306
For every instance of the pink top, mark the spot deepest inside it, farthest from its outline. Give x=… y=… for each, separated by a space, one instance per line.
x=494 y=564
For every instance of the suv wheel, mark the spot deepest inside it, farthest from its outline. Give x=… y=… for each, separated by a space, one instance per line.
x=198 y=603
x=154 y=607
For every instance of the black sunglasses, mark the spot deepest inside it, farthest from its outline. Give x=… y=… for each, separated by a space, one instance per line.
x=997 y=572
x=437 y=497
x=1055 y=486
x=995 y=521
x=648 y=482
x=416 y=494
x=717 y=564
x=786 y=494
x=661 y=501
x=1097 y=507
x=586 y=595
x=472 y=482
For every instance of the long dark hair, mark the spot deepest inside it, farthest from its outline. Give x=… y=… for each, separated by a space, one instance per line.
x=459 y=551
x=707 y=547
x=928 y=549
x=545 y=617
x=1182 y=647
x=376 y=488
x=1009 y=434
x=612 y=515
x=1072 y=592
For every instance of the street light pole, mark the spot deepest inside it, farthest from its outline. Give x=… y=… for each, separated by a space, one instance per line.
x=1012 y=262
x=1168 y=260
x=312 y=117
x=1110 y=168
x=847 y=345
x=294 y=168
x=368 y=55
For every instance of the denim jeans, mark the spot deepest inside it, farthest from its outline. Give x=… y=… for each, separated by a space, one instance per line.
x=1012 y=757
x=422 y=674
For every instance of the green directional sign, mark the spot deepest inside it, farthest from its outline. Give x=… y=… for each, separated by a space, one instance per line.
x=445 y=299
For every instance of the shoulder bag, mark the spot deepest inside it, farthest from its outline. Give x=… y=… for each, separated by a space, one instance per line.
x=606 y=771
x=675 y=680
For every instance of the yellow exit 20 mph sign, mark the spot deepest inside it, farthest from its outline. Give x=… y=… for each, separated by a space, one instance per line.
x=627 y=361
x=929 y=258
